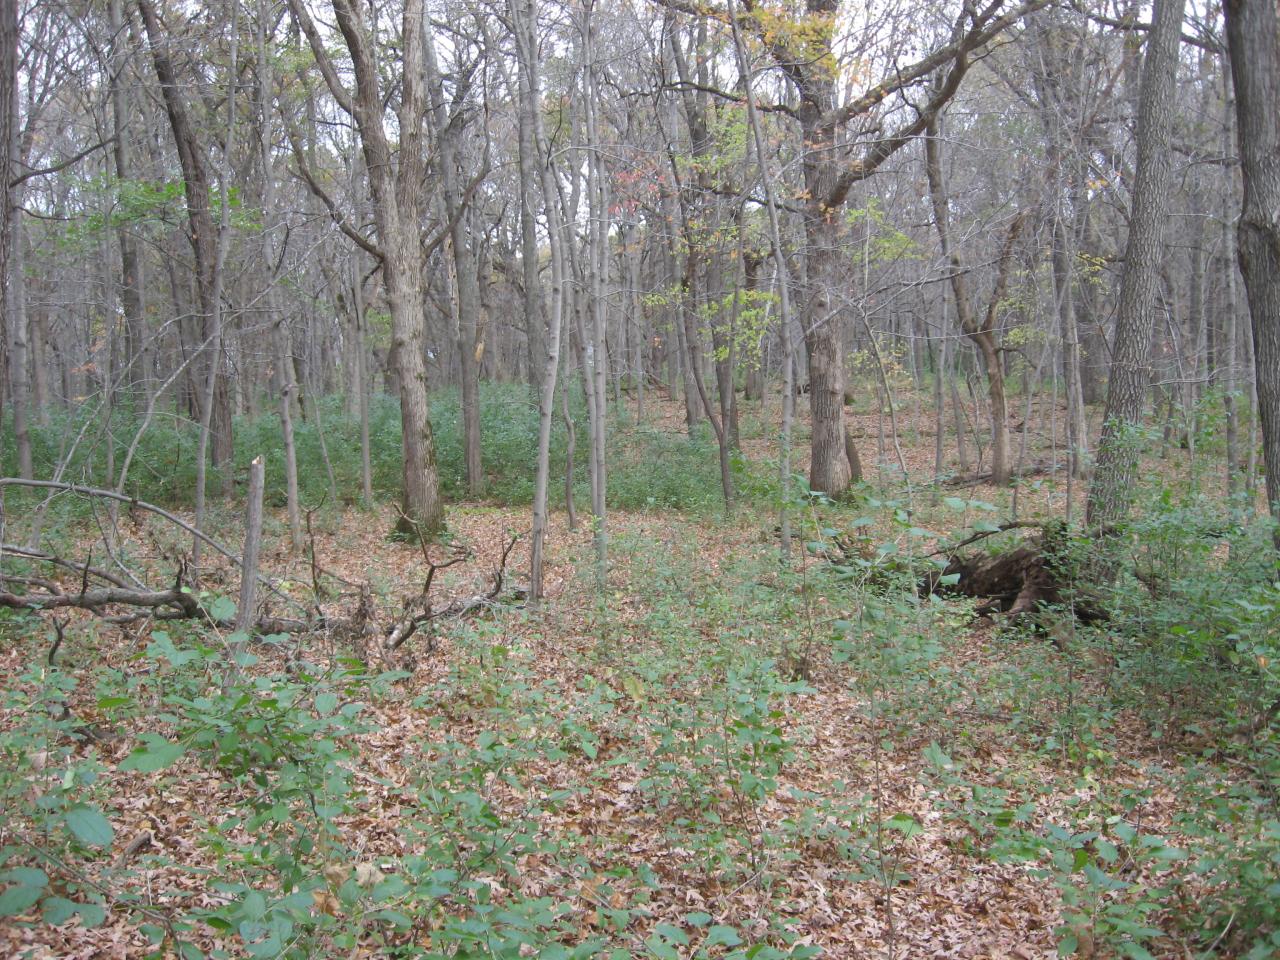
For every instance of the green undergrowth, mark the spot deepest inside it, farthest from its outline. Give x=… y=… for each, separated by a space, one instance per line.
x=569 y=776
x=648 y=468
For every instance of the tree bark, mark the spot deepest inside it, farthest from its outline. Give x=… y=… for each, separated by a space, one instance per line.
x=467 y=282
x=1253 y=39
x=1110 y=493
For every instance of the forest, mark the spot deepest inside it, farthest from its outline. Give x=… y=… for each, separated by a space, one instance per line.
x=656 y=479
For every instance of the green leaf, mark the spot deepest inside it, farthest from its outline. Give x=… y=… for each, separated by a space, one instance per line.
x=255 y=905
x=1136 y=951
x=26 y=877
x=986 y=526
x=162 y=646
x=723 y=936
x=697 y=919
x=156 y=754
x=326 y=702
x=673 y=934
x=15 y=900
x=661 y=949
x=904 y=825
x=938 y=757
x=949 y=579
x=222 y=609
x=59 y=910
x=89 y=825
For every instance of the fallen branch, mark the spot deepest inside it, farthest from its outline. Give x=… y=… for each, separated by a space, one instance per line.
x=1038 y=469
x=419 y=610
x=140 y=505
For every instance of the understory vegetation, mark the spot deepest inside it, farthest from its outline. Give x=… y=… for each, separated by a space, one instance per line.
x=713 y=755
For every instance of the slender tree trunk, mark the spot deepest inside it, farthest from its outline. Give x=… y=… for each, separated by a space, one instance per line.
x=784 y=287
x=132 y=283
x=467 y=282
x=8 y=125
x=271 y=249
x=206 y=243
x=362 y=385
x=534 y=154
x=16 y=319
x=982 y=334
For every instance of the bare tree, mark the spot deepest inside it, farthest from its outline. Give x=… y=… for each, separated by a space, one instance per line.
x=983 y=333
x=395 y=181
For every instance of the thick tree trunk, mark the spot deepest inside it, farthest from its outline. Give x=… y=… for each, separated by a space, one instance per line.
x=1110 y=493
x=830 y=468
x=1253 y=38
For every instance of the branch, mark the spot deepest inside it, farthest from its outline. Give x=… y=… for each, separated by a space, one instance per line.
x=123 y=498
x=336 y=215
x=983 y=534
x=681 y=86
x=1133 y=26
x=60 y=165
x=17 y=551
x=308 y=27
x=979 y=33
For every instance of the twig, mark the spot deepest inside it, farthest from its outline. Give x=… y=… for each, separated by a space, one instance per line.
x=983 y=534
x=59 y=628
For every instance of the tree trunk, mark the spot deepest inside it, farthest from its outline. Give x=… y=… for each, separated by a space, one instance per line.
x=982 y=334
x=214 y=399
x=1253 y=38
x=132 y=284
x=395 y=186
x=8 y=123
x=467 y=282
x=830 y=468
x=16 y=320
x=535 y=153
x=1110 y=493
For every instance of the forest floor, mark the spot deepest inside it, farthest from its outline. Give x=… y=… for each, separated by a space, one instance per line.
x=846 y=802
